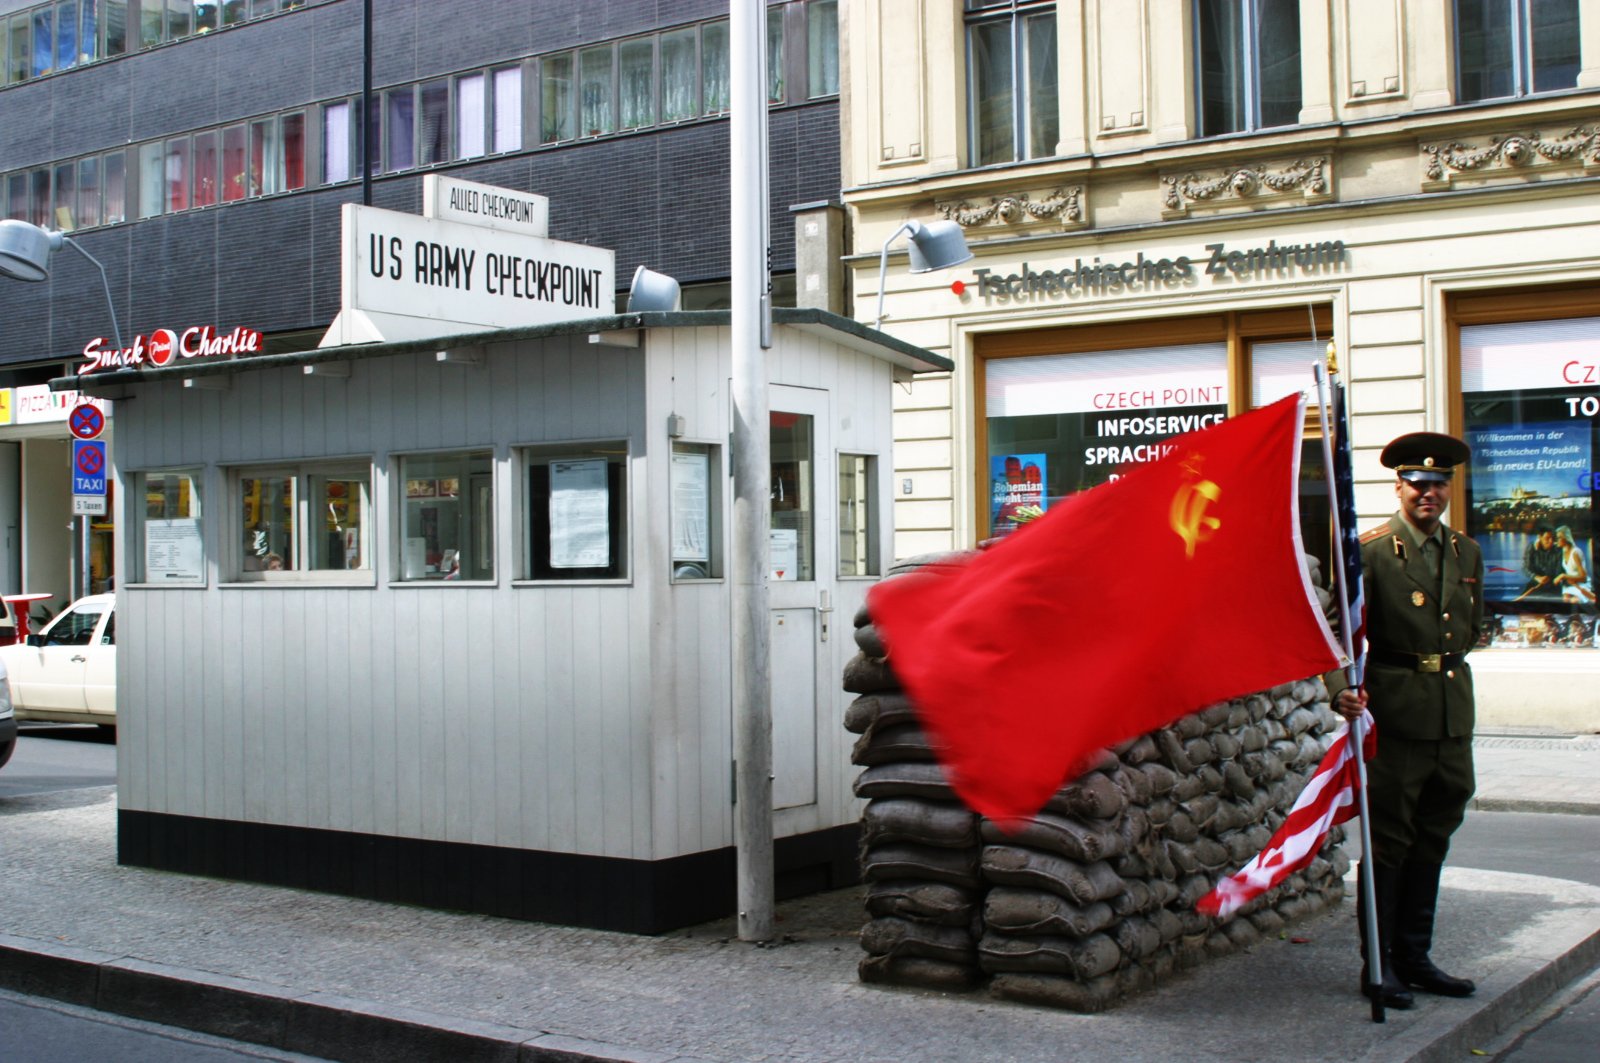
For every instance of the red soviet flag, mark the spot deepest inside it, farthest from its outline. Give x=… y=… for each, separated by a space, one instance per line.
x=1123 y=608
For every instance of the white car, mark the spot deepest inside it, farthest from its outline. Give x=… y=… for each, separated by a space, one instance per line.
x=8 y=720
x=68 y=671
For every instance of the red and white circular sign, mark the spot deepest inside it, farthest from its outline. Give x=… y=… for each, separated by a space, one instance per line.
x=162 y=347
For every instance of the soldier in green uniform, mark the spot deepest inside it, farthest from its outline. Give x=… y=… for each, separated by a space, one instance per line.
x=1424 y=601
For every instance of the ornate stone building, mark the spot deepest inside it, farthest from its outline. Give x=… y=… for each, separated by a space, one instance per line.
x=1175 y=204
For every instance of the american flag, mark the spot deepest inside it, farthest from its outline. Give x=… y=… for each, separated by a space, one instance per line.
x=1349 y=583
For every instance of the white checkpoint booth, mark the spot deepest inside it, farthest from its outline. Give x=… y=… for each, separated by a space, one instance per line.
x=447 y=620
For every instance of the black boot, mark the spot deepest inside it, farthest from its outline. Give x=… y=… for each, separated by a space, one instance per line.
x=1419 y=897
x=1386 y=884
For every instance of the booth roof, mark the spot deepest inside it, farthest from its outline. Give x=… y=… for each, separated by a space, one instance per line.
x=841 y=330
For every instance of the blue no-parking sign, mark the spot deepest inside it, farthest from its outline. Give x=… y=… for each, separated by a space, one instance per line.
x=88 y=467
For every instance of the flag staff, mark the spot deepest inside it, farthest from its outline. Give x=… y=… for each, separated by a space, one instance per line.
x=1352 y=675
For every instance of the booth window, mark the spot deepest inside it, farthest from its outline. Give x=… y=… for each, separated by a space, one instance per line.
x=305 y=520
x=447 y=522
x=1531 y=414
x=577 y=511
x=858 y=510
x=696 y=509
x=792 y=535
x=168 y=527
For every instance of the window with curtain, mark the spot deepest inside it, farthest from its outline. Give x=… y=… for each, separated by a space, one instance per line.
x=433 y=123
x=336 y=156
x=89 y=191
x=293 y=137
x=471 y=120
x=178 y=174
x=113 y=170
x=1515 y=47
x=714 y=67
x=1012 y=80
x=235 y=185
x=152 y=179
x=205 y=169
x=680 y=75
x=636 y=79
x=64 y=214
x=822 y=48
x=594 y=85
x=1247 y=65
x=508 y=109
x=556 y=98
x=399 y=127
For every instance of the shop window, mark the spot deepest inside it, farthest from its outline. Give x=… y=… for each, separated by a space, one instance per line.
x=447 y=522
x=714 y=86
x=636 y=80
x=303 y=522
x=696 y=511
x=1531 y=405
x=1247 y=65
x=471 y=117
x=1283 y=367
x=858 y=515
x=822 y=48
x=680 y=75
x=168 y=529
x=577 y=512
x=1515 y=47
x=1012 y=80
x=507 y=109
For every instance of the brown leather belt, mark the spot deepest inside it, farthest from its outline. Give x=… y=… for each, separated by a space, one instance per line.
x=1419 y=662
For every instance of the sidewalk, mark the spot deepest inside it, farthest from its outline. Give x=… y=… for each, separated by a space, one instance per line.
x=354 y=979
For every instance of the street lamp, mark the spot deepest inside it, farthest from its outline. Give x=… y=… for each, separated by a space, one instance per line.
x=25 y=251
x=935 y=245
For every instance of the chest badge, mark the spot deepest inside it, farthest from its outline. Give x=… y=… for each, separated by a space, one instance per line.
x=1418 y=599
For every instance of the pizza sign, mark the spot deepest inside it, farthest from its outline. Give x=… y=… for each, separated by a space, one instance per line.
x=163 y=347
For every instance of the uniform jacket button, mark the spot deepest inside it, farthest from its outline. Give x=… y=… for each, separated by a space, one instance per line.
x=1447 y=616
x=1451 y=674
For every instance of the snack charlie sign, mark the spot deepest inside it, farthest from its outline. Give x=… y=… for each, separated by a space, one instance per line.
x=163 y=347
x=410 y=277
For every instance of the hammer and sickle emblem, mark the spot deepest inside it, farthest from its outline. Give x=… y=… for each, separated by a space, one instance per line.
x=1188 y=514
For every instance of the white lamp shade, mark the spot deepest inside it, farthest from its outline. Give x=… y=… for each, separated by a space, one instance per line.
x=652 y=291
x=937 y=245
x=25 y=250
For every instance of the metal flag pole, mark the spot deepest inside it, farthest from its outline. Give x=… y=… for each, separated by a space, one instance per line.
x=1368 y=884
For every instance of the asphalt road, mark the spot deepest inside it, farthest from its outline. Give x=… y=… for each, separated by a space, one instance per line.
x=53 y=757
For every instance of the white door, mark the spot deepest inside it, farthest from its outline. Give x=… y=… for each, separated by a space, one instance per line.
x=801 y=571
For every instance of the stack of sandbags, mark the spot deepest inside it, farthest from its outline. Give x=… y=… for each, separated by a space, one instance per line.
x=1093 y=898
x=919 y=843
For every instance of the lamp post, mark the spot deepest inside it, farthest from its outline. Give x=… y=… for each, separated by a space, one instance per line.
x=25 y=252
x=934 y=245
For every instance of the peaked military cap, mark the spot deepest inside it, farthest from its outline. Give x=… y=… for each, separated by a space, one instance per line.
x=1424 y=457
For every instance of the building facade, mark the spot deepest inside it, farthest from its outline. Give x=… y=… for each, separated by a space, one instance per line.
x=201 y=152
x=1176 y=204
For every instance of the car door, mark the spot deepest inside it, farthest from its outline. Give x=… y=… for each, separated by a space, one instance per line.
x=100 y=671
x=52 y=675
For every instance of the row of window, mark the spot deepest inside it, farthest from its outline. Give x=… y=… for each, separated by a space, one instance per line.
x=1247 y=65
x=66 y=33
x=301 y=522
x=673 y=76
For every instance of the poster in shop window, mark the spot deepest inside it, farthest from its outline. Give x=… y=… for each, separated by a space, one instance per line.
x=580 y=504
x=1017 y=483
x=172 y=551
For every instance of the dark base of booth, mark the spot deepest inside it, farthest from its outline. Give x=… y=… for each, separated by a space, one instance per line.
x=606 y=893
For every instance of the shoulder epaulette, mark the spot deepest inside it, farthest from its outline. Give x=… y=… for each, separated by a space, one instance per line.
x=1374 y=533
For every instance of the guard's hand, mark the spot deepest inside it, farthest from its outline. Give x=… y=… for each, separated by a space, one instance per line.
x=1350 y=703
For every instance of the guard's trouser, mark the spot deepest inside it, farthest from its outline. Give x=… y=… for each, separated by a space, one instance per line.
x=1418 y=791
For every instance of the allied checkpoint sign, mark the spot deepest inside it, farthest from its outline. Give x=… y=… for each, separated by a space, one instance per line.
x=409 y=277
x=88 y=477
